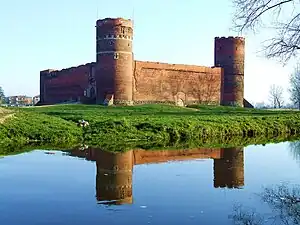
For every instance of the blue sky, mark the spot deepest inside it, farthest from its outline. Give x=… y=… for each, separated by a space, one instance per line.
x=37 y=35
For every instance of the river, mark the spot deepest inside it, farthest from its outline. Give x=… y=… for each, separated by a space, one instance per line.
x=196 y=186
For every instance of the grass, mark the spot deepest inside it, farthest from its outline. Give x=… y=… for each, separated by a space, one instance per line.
x=119 y=128
x=5 y=114
x=28 y=128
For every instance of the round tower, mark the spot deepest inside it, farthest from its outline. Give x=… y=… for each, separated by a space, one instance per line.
x=114 y=177
x=115 y=60
x=229 y=169
x=230 y=55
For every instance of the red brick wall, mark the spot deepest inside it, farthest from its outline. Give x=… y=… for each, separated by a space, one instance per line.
x=230 y=55
x=158 y=82
x=65 y=85
x=114 y=55
x=152 y=83
x=158 y=156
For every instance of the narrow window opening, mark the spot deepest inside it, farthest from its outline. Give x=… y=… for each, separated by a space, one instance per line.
x=123 y=30
x=116 y=55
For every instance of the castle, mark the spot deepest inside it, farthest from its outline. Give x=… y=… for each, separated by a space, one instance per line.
x=117 y=78
x=114 y=170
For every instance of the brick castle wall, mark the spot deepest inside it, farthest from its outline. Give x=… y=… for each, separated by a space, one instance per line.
x=176 y=83
x=152 y=82
x=64 y=85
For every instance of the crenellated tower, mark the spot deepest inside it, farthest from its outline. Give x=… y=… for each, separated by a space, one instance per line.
x=115 y=60
x=230 y=55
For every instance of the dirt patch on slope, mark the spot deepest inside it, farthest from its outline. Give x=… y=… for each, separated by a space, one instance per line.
x=5 y=114
x=2 y=111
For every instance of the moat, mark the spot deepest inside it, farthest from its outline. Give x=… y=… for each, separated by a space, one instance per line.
x=197 y=186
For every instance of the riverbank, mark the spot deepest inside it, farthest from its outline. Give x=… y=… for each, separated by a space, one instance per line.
x=146 y=125
x=5 y=114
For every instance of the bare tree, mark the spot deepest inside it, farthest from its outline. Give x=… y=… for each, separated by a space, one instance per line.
x=282 y=199
x=282 y=16
x=295 y=86
x=276 y=96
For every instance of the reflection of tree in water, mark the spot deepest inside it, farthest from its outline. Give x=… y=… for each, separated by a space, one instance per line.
x=295 y=149
x=243 y=216
x=284 y=202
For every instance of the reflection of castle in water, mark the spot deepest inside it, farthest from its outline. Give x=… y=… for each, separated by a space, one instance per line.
x=114 y=176
x=229 y=168
x=114 y=170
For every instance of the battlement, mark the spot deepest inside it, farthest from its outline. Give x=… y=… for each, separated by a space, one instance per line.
x=178 y=67
x=53 y=72
x=47 y=71
x=230 y=38
x=114 y=22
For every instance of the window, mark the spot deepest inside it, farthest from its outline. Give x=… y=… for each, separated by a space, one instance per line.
x=123 y=30
x=116 y=55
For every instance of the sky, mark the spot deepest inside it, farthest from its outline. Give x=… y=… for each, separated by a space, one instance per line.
x=57 y=34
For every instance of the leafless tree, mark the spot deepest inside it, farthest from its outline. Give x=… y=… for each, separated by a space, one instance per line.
x=294 y=148
x=282 y=199
x=282 y=16
x=295 y=86
x=243 y=216
x=276 y=96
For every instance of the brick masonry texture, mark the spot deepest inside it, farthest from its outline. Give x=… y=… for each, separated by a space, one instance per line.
x=122 y=80
x=64 y=85
x=181 y=84
x=230 y=55
x=115 y=170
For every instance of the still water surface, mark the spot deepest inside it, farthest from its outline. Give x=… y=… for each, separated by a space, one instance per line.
x=198 y=186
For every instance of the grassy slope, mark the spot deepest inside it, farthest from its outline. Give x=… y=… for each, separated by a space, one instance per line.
x=28 y=127
x=163 y=125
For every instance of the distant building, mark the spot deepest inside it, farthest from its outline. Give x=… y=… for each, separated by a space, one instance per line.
x=20 y=100
x=35 y=99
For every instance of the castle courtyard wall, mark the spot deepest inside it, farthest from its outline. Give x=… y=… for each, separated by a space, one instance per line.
x=156 y=82
x=65 y=85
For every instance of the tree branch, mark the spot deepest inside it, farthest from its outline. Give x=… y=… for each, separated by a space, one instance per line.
x=286 y=43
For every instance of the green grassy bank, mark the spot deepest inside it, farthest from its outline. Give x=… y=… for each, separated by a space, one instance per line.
x=145 y=126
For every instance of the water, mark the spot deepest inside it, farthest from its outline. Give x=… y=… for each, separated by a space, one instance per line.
x=199 y=186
